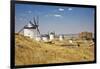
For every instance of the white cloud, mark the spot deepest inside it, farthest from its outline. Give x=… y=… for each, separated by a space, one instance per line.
x=61 y=9
x=57 y=15
x=70 y=9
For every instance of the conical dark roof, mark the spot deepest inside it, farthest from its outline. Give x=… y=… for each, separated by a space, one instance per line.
x=30 y=26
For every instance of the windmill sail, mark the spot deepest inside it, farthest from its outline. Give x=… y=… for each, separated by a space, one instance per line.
x=38 y=30
x=21 y=29
x=34 y=25
x=34 y=21
x=37 y=20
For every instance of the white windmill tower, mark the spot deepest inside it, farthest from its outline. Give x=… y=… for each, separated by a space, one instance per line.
x=52 y=36
x=31 y=29
x=61 y=37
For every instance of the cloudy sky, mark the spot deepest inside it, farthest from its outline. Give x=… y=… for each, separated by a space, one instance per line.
x=62 y=20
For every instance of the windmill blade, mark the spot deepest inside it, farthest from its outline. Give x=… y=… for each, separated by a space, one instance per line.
x=31 y=23
x=38 y=30
x=34 y=21
x=21 y=29
x=37 y=20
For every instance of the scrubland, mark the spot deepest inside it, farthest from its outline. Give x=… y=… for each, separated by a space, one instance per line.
x=29 y=52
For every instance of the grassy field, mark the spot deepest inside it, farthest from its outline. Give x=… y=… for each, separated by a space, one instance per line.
x=29 y=51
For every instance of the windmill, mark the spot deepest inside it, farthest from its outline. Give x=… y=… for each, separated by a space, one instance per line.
x=31 y=29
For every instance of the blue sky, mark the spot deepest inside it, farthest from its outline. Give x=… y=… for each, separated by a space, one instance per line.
x=62 y=20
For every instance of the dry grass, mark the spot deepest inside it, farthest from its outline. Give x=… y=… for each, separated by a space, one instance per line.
x=29 y=51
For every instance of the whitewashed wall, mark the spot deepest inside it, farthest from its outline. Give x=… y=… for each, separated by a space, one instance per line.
x=51 y=36
x=29 y=32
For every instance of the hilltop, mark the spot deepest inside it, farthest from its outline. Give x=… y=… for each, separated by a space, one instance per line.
x=29 y=51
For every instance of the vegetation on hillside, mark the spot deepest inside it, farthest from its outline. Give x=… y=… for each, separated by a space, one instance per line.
x=29 y=51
